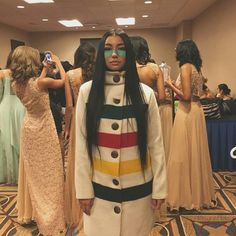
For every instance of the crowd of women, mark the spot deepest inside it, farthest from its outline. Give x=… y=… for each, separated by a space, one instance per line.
x=125 y=159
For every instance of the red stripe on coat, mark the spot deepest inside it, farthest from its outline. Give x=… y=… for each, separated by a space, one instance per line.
x=117 y=140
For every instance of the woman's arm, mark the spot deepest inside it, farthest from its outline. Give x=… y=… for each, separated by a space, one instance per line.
x=185 y=75
x=160 y=85
x=69 y=107
x=46 y=82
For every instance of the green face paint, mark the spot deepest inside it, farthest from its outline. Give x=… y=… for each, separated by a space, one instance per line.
x=120 y=52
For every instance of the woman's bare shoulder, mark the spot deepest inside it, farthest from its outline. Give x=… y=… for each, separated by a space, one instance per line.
x=4 y=73
x=186 y=66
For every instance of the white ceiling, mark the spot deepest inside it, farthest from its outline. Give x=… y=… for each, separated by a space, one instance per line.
x=99 y=13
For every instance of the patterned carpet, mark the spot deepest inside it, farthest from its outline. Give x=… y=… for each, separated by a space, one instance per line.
x=220 y=221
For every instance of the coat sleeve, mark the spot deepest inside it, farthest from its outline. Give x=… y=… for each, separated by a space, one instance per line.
x=156 y=150
x=83 y=168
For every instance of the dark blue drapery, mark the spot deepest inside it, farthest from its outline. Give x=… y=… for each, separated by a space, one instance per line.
x=221 y=139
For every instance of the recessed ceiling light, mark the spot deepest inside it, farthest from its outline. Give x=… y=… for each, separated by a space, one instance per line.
x=38 y=1
x=144 y=16
x=93 y=27
x=125 y=21
x=44 y=19
x=70 y=23
x=20 y=7
x=148 y=2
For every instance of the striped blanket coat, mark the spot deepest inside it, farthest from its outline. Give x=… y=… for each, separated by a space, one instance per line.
x=121 y=190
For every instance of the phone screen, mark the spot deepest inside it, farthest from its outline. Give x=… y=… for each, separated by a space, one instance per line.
x=48 y=57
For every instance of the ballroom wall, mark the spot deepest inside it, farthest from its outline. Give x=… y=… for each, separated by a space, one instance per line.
x=215 y=33
x=6 y=34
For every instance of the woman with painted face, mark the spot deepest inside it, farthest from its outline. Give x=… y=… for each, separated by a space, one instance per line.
x=120 y=175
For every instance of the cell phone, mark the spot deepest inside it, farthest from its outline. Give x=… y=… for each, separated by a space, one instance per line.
x=48 y=57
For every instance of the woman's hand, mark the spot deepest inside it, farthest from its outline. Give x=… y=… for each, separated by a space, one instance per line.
x=169 y=83
x=67 y=134
x=47 y=65
x=156 y=203
x=55 y=58
x=86 y=205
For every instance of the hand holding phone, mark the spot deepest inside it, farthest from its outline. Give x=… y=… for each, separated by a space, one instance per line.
x=48 y=58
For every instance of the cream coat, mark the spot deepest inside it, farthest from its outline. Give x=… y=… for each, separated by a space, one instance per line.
x=121 y=174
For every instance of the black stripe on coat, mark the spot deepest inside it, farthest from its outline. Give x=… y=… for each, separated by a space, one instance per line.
x=122 y=195
x=119 y=112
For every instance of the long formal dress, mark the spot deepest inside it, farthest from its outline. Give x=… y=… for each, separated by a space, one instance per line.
x=122 y=192
x=11 y=116
x=166 y=115
x=73 y=213
x=189 y=172
x=165 y=107
x=41 y=171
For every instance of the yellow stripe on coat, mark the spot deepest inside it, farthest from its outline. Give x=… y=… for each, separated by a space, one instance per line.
x=118 y=168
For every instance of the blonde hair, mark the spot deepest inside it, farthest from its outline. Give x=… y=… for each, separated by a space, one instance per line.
x=25 y=64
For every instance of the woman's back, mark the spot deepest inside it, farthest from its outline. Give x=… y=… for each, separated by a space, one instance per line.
x=148 y=74
x=35 y=100
x=196 y=83
x=6 y=86
x=75 y=80
x=6 y=83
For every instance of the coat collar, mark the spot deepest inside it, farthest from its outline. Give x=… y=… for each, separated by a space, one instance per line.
x=115 y=77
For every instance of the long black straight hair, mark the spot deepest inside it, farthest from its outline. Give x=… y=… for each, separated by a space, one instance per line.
x=133 y=94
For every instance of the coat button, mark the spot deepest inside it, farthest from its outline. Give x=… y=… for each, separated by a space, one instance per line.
x=115 y=182
x=116 y=100
x=114 y=154
x=117 y=209
x=116 y=78
x=115 y=126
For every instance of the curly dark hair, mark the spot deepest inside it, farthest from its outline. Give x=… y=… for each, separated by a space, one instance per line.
x=224 y=87
x=84 y=58
x=187 y=52
x=141 y=50
x=25 y=64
